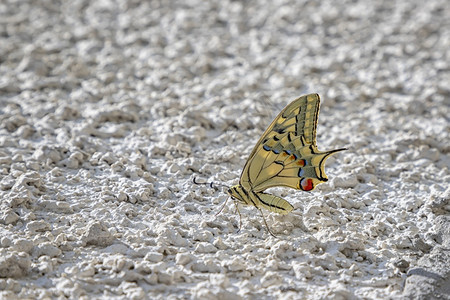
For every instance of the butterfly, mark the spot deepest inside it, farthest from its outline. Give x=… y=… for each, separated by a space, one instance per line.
x=286 y=155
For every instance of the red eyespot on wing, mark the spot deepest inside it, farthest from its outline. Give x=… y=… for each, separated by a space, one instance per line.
x=306 y=184
x=301 y=162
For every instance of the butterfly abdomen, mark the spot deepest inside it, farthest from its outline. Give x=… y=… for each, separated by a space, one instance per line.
x=267 y=201
x=273 y=203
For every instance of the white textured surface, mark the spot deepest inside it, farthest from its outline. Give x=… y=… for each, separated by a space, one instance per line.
x=109 y=108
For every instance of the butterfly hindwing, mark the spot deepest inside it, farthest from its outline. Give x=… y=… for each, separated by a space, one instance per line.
x=298 y=166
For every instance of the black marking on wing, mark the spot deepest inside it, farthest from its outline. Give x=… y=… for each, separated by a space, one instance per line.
x=323 y=160
x=315 y=121
x=289 y=137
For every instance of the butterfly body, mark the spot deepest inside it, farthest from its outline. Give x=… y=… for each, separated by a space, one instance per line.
x=285 y=155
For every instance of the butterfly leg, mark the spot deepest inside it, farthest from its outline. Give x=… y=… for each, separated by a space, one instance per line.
x=240 y=217
x=223 y=206
x=267 y=226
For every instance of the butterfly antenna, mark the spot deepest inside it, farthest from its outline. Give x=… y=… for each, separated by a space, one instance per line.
x=267 y=226
x=211 y=184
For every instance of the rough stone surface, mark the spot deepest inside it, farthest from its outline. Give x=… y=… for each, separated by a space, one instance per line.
x=108 y=109
x=430 y=278
x=14 y=264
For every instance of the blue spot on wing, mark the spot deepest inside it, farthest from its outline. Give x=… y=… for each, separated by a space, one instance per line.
x=301 y=172
x=267 y=148
x=276 y=151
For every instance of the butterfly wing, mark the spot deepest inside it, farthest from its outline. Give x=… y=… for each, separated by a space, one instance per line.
x=286 y=154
